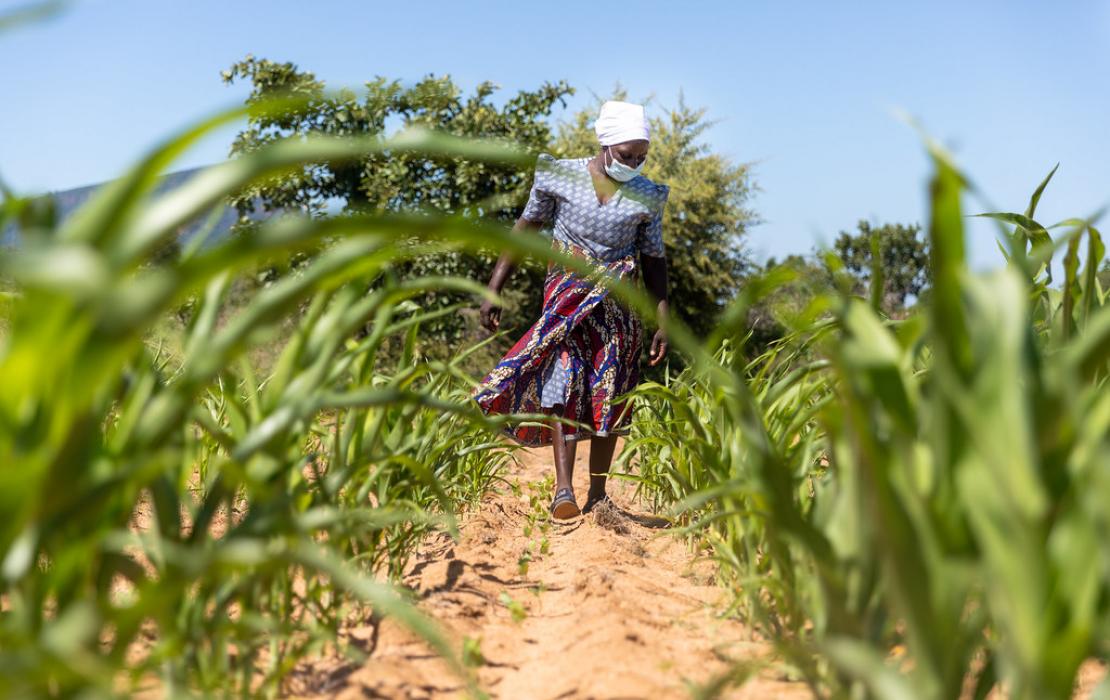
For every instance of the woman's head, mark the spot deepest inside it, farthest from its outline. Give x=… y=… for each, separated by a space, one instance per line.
x=623 y=134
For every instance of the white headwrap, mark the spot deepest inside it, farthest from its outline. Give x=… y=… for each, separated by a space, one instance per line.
x=620 y=121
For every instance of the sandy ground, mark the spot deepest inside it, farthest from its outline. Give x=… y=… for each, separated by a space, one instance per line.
x=607 y=606
x=614 y=608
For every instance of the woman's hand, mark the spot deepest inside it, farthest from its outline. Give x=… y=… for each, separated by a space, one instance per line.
x=489 y=315
x=658 y=347
x=655 y=279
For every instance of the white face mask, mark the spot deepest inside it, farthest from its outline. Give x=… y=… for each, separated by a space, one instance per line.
x=621 y=172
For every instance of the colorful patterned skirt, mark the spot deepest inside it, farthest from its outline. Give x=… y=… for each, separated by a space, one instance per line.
x=576 y=361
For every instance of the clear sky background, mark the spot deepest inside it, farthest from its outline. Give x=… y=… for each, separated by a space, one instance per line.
x=803 y=90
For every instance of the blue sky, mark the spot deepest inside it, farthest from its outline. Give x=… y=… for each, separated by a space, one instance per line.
x=803 y=90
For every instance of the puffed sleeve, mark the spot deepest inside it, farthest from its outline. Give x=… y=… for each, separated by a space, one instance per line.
x=540 y=207
x=650 y=238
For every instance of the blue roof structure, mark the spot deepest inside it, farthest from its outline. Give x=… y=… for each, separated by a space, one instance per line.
x=69 y=201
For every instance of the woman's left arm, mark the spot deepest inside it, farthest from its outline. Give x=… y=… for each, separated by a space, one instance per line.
x=655 y=279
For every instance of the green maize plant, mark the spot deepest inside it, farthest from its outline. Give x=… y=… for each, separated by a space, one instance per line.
x=695 y=452
x=174 y=520
x=920 y=511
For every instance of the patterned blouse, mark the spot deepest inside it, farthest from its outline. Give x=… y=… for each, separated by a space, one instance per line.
x=630 y=222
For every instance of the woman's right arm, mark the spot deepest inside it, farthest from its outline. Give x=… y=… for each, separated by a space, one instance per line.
x=490 y=313
x=539 y=209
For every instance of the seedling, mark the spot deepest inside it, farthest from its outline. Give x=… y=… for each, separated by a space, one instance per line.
x=472 y=652
x=516 y=610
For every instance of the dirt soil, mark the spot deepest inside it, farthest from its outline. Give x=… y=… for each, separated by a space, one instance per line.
x=611 y=606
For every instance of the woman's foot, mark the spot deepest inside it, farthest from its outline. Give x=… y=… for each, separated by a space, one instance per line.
x=564 y=507
x=594 y=499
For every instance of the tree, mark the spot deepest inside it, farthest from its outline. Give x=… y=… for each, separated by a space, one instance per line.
x=396 y=182
x=401 y=182
x=805 y=278
x=706 y=217
x=904 y=256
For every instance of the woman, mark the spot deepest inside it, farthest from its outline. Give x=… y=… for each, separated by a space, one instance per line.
x=584 y=351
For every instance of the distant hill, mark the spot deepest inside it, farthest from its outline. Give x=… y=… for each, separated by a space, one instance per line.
x=69 y=201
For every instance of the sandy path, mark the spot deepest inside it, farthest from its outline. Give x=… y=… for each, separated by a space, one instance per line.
x=615 y=608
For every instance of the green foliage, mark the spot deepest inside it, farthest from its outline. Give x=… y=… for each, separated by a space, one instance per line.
x=920 y=511
x=173 y=516
x=706 y=218
x=404 y=182
x=799 y=286
x=903 y=257
x=176 y=517
x=792 y=299
x=910 y=508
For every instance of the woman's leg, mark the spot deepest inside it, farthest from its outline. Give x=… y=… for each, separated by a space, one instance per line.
x=601 y=457
x=564 y=456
